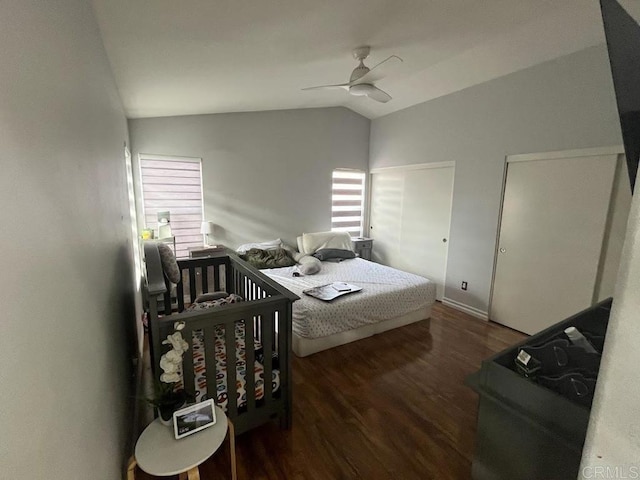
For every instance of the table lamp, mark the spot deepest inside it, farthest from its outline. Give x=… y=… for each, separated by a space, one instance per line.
x=206 y=228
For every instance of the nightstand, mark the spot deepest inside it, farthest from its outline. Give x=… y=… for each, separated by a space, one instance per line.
x=363 y=246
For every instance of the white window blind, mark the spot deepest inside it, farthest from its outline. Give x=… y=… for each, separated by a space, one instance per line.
x=174 y=185
x=347 y=202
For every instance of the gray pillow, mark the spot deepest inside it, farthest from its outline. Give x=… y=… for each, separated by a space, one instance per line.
x=334 y=253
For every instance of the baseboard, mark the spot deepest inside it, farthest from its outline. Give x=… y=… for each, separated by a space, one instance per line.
x=476 y=312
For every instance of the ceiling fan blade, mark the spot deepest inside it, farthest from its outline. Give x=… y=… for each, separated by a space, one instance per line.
x=379 y=95
x=344 y=86
x=379 y=71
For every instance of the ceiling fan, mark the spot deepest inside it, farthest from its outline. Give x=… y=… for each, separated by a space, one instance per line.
x=361 y=82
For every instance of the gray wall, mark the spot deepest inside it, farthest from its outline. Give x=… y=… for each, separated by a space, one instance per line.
x=265 y=174
x=66 y=285
x=563 y=104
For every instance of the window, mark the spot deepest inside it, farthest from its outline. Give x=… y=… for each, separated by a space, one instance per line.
x=174 y=185
x=347 y=202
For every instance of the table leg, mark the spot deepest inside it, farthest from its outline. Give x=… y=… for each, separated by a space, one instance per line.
x=232 y=447
x=193 y=474
x=131 y=469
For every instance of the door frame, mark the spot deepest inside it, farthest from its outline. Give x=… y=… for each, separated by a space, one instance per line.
x=415 y=166
x=532 y=157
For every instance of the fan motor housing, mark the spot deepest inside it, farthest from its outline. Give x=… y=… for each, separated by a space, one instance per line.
x=361 y=53
x=358 y=72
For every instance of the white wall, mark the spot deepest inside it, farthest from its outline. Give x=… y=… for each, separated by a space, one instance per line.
x=613 y=439
x=265 y=174
x=65 y=289
x=563 y=104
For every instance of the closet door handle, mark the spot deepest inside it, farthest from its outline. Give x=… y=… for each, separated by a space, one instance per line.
x=444 y=240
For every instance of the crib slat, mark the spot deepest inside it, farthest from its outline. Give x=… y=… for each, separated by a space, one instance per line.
x=266 y=333
x=250 y=355
x=232 y=385
x=192 y=283
x=205 y=280
x=211 y=369
x=167 y=302
x=286 y=385
x=216 y=278
x=228 y=278
x=187 y=363
x=279 y=319
x=180 y=292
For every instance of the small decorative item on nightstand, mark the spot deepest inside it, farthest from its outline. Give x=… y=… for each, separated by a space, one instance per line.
x=363 y=246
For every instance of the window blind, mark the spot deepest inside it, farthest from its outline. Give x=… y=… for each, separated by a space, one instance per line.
x=347 y=202
x=174 y=185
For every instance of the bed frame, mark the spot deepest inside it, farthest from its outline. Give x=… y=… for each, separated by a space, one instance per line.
x=267 y=307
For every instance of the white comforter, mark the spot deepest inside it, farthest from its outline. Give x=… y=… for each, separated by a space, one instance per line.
x=386 y=293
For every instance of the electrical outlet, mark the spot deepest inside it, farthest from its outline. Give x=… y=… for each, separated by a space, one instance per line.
x=464 y=286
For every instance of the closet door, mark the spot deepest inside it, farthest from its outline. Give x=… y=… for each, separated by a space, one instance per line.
x=410 y=218
x=551 y=238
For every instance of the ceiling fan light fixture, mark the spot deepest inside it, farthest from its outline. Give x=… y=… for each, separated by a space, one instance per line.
x=361 y=89
x=363 y=79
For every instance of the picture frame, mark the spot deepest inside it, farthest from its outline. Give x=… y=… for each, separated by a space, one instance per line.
x=193 y=418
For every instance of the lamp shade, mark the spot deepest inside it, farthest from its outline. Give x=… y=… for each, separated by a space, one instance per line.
x=206 y=228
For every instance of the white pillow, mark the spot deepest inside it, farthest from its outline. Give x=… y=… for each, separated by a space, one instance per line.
x=269 y=245
x=312 y=242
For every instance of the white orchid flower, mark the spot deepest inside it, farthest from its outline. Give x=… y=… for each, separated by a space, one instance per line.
x=177 y=342
x=167 y=365
x=173 y=356
x=177 y=326
x=169 y=377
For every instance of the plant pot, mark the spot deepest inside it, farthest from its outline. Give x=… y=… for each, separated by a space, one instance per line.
x=173 y=402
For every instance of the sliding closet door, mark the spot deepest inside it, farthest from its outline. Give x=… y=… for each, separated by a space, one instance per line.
x=386 y=216
x=551 y=239
x=410 y=217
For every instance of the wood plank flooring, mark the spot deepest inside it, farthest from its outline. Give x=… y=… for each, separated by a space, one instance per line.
x=392 y=406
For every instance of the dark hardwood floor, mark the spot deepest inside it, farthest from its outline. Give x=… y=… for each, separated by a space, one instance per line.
x=392 y=406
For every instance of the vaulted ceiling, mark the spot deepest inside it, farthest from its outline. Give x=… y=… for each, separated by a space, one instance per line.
x=208 y=56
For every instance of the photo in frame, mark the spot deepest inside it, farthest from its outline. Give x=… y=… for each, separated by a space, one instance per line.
x=193 y=418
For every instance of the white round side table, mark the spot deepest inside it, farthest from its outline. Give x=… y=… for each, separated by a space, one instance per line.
x=158 y=452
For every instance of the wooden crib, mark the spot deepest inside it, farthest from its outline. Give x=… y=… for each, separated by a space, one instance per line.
x=262 y=319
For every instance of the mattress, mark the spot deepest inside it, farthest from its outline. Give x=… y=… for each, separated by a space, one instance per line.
x=386 y=293
x=222 y=393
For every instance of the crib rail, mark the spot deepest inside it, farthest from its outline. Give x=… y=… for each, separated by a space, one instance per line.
x=265 y=313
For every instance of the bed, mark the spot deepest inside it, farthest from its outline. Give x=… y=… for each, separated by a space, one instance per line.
x=261 y=318
x=389 y=299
